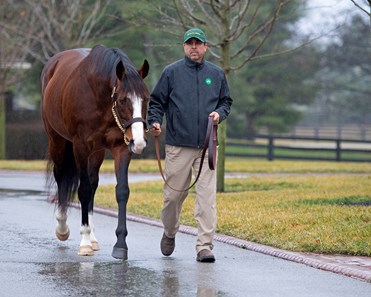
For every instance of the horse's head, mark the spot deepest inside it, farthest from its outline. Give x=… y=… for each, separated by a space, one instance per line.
x=130 y=99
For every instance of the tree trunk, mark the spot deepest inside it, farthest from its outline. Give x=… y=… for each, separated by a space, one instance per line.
x=250 y=130
x=222 y=132
x=2 y=122
x=222 y=129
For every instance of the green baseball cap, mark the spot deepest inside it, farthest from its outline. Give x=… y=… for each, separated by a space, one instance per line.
x=194 y=33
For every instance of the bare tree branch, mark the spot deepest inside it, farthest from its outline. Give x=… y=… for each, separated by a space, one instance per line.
x=265 y=29
x=237 y=26
x=51 y=26
x=361 y=8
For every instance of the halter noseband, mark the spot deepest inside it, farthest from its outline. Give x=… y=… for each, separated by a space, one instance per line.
x=123 y=125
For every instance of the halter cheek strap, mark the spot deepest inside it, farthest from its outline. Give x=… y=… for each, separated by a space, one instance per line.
x=113 y=93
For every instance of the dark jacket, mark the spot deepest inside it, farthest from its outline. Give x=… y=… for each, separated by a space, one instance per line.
x=187 y=93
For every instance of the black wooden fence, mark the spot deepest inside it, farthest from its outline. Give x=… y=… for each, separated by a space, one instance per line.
x=26 y=139
x=297 y=148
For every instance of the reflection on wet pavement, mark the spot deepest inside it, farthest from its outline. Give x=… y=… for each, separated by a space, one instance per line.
x=6 y=193
x=117 y=279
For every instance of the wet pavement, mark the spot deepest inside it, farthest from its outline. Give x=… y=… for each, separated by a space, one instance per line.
x=34 y=263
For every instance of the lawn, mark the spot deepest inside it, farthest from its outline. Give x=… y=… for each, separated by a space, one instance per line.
x=243 y=165
x=307 y=213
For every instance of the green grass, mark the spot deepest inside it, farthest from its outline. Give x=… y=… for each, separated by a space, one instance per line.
x=243 y=165
x=321 y=214
x=320 y=207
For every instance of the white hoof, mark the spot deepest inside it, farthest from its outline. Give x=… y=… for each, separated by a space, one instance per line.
x=95 y=245
x=86 y=250
x=62 y=236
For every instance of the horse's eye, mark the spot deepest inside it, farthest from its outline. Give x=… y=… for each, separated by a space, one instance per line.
x=122 y=102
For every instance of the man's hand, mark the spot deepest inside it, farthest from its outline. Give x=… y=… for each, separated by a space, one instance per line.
x=155 y=129
x=215 y=116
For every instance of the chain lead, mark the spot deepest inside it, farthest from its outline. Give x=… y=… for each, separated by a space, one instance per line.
x=126 y=139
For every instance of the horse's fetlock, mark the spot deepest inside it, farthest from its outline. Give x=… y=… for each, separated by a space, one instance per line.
x=85 y=230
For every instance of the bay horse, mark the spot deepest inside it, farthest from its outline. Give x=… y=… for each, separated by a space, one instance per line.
x=93 y=100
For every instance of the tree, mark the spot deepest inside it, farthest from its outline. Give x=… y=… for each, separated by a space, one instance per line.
x=54 y=26
x=358 y=5
x=346 y=77
x=35 y=30
x=12 y=58
x=237 y=32
x=272 y=91
x=363 y=9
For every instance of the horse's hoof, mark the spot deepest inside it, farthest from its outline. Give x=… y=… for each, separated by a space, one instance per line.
x=62 y=236
x=86 y=250
x=95 y=245
x=120 y=253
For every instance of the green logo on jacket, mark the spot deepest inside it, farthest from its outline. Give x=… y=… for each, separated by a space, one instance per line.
x=208 y=81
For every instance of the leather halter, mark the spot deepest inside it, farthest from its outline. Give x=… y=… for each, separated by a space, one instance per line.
x=209 y=144
x=123 y=125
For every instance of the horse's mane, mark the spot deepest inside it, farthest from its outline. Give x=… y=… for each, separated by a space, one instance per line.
x=104 y=65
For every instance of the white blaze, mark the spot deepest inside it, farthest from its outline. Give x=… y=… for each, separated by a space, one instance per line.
x=137 y=128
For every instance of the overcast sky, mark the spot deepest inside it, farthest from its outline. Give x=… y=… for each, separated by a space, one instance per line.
x=323 y=15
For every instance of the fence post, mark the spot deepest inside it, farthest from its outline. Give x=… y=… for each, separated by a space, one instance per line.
x=270 y=148
x=363 y=133
x=338 y=150
x=338 y=131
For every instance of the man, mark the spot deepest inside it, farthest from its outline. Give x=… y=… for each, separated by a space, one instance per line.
x=188 y=92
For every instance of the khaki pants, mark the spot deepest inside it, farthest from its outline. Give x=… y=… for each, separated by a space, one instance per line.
x=179 y=162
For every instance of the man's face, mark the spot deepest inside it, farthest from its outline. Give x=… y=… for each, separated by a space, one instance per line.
x=195 y=49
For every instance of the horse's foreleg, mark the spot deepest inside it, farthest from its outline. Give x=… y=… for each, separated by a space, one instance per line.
x=86 y=248
x=93 y=239
x=62 y=231
x=120 y=250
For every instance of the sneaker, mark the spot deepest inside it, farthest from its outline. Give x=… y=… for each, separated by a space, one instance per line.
x=205 y=256
x=167 y=245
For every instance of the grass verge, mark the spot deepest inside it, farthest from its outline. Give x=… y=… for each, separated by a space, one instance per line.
x=243 y=165
x=320 y=214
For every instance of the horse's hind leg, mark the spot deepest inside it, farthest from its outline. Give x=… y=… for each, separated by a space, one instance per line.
x=58 y=147
x=84 y=194
x=62 y=230
x=95 y=161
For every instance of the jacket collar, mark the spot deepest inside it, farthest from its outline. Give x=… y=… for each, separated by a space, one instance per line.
x=193 y=64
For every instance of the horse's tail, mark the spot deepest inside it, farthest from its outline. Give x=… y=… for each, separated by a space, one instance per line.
x=66 y=177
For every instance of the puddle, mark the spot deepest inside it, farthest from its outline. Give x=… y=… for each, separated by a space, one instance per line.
x=10 y=193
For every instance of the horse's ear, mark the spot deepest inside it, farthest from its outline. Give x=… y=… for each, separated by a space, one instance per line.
x=143 y=71
x=120 y=70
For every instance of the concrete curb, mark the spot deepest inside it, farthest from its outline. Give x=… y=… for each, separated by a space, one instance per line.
x=244 y=244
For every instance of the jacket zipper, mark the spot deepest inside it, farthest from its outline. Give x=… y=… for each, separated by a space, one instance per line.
x=198 y=107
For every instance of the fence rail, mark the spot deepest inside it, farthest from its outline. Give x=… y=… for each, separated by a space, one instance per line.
x=348 y=132
x=301 y=148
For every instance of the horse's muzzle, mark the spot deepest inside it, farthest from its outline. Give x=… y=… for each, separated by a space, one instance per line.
x=137 y=147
